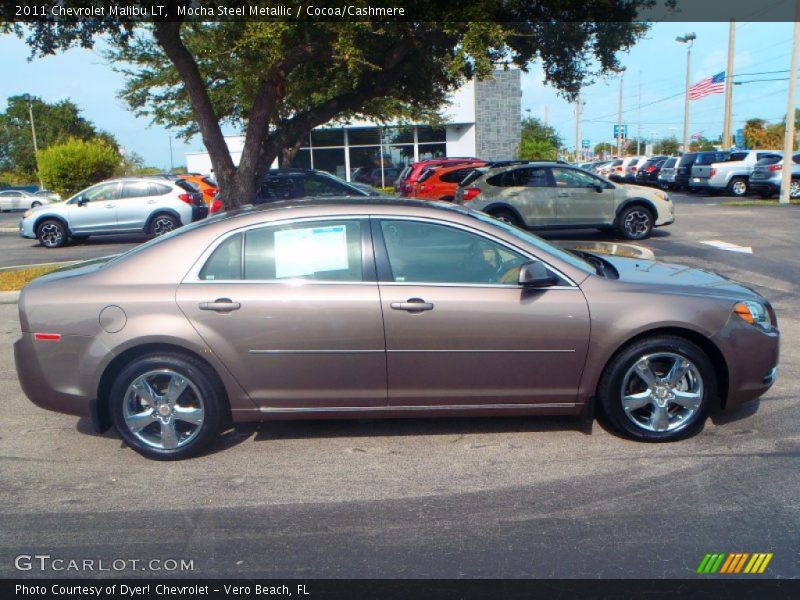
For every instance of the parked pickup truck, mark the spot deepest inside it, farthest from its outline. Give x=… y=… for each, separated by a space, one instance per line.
x=733 y=174
x=699 y=172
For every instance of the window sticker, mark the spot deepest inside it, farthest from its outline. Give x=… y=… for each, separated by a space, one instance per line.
x=301 y=252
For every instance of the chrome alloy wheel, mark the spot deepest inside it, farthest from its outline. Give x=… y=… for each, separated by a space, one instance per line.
x=637 y=223
x=662 y=392
x=163 y=409
x=739 y=188
x=51 y=235
x=163 y=225
x=794 y=189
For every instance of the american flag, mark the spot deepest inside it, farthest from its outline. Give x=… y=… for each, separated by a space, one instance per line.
x=709 y=85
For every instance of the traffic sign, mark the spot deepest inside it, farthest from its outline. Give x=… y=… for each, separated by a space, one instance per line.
x=624 y=131
x=585 y=143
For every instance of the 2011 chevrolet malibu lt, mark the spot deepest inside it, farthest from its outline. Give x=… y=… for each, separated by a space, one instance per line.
x=362 y=309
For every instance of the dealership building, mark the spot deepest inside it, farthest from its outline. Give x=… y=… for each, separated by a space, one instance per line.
x=482 y=119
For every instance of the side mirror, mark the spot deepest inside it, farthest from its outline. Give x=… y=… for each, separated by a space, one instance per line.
x=598 y=188
x=82 y=201
x=534 y=274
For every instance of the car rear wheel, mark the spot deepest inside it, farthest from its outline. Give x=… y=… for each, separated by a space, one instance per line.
x=658 y=390
x=166 y=407
x=794 y=189
x=51 y=233
x=506 y=216
x=738 y=187
x=635 y=223
x=162 y=224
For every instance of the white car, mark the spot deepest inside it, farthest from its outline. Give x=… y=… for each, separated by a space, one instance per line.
x=20 y=200
x=152 y=205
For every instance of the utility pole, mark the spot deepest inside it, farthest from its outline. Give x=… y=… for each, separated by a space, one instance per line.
x=35 y=144
x=639 y=117
x=619 y=113
x=726 y=126
x=687 y=39
x=578 y=152
x=788 y=137
x=171 y=164
x=545 y=116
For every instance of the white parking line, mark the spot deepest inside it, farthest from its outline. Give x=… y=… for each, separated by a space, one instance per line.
x=720 y=245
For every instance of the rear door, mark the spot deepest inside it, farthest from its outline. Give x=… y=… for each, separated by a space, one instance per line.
x=136 y=203
x=529 y=190
x=294 y=313
x=578 y=201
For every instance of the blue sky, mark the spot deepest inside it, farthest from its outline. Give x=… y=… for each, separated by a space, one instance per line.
x=657 y=61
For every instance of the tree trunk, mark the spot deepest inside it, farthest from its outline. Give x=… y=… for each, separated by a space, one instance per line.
x=288 y=153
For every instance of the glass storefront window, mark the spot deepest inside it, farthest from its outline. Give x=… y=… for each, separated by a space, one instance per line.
x=428 y=151
x=327 y=137
x=426 y=133
x=330 y=160
x=364 y=136
x=398 y=135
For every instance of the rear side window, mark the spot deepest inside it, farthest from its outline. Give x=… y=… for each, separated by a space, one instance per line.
x=426 y=174
x=736 y=156
x=278 y=189
x=456 y=176
x=687 y=159
x=157 y=189
x=327 y=251
x=527 y=177
x=776 y=157
x=135 y=189
x=187 y=186
x=226 y=261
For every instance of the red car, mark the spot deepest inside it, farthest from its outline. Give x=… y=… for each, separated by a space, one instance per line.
x=440 y=183
x=403 y=185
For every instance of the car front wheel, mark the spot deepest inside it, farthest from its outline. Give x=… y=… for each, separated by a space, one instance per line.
x=635 y=223
x=166 y=406
x=51 y=233
x=658 y=390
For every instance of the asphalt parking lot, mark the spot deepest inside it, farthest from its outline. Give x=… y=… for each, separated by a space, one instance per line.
x=510 y=497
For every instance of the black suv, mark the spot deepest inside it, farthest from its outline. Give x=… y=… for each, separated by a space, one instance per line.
x=287 y=184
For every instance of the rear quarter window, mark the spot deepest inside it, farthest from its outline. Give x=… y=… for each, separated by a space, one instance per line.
x=187 y=186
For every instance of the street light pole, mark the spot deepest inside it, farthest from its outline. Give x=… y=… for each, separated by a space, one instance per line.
x=687 y=39
x=788 y=137
x=726 y=126
x=35 y=144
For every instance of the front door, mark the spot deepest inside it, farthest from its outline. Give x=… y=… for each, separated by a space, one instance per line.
x=135 y=204
x=460 y=331
x=97 y=211
x=293 y=311
x=578 y=201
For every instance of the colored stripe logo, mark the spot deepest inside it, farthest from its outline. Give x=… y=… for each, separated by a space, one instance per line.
x=734 y=562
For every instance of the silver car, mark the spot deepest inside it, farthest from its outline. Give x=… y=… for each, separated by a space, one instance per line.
x=768 y=174
x=152 y=205
x=666 y=178
x=557 y=196
x=20 y=200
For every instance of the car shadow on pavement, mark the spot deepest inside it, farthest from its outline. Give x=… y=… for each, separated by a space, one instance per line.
x=337 y=428
x=600 y=235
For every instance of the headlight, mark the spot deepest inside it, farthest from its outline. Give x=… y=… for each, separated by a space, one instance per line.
x=662 y=196
x=27 y=213
x=754 y=313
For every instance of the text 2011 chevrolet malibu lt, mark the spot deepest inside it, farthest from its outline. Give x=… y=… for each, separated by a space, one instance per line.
x=383 y=309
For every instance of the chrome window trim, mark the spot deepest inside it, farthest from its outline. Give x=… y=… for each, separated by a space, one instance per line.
x=193 y=276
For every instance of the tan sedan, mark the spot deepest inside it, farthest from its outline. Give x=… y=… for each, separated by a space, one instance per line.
x=324 y=309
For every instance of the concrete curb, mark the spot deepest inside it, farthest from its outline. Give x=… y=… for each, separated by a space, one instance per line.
x=9 y=297
x=9 y=229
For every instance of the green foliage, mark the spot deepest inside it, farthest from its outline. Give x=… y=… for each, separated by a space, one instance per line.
x=55 y=123
x=760 y=134
x=703 y=144
x=69 y=167
x=604 y=148
x=534 y=149
x=667 y=146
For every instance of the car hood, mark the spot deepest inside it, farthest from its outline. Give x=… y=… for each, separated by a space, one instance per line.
x=639 y=191
x=672 y=278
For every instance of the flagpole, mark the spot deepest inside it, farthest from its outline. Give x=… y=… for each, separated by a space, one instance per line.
x=726 y=128
x=788 y=138
x=687 y=39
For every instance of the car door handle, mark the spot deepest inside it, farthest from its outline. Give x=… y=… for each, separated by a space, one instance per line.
x=108 y=205
x=221 y=305
x=563 y=195
x=412 y=305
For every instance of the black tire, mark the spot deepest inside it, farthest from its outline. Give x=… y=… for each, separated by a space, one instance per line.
x=738 y=186
x=162 y=223
x=51 y=233
x=507 y=216
x=635 y=222
x=630 y=423
x=203 y=391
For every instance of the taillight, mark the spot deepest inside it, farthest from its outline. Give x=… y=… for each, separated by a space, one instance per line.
x=188 y=198
x=619 y=169
x=471 y=193
x=632 y=169
x=47 y=337
x=650 y=169
x=210 y=192
x=775 y=167
x=712 y=172
x=216 y=206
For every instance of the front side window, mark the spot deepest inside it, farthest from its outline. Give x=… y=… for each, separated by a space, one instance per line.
x=429 y=253
x=572 y=178
x=102 y=192
x=323 y=251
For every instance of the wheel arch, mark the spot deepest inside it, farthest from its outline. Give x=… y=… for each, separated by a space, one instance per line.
x=638 y=201
x=58 y=218
x=494 y=206
x=101 y=414
x=705 y=344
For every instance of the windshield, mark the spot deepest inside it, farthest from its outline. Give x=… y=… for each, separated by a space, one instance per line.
x=535 y=240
